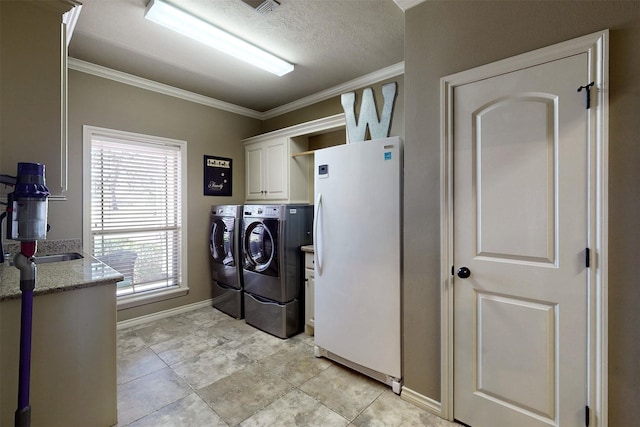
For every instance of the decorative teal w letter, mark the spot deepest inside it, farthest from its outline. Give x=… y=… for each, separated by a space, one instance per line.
x=378 y=128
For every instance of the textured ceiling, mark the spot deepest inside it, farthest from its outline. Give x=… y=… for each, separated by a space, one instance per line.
x=329 y=41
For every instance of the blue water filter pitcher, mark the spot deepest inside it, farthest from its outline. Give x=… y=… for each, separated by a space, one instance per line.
x=30 y=203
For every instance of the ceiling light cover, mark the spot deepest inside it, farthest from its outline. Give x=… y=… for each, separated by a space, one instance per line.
x=181 y=22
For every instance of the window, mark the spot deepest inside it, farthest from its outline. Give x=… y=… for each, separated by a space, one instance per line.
x=134 y=220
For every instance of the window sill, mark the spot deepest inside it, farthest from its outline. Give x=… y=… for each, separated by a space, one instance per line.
x=130 y=301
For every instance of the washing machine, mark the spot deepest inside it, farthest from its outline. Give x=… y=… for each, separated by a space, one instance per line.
x=225 y=248
x=273 y=270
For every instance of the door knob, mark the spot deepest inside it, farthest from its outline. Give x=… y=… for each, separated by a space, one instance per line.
x=464 y=272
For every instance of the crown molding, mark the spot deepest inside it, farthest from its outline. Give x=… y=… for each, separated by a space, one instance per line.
x=322 y=125
x=367 y=79
x=70 y=19
x=61 y=6
x=407 y=4
x=130 y=79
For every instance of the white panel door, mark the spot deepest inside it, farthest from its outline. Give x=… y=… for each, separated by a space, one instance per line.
x=520 y=197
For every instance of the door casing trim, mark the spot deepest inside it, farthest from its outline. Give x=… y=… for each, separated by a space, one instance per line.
x=596 y=45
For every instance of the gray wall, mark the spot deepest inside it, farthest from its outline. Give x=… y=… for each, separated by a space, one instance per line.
x=445 y=37
x=104 y=103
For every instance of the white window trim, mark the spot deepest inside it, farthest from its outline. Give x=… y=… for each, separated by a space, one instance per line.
x=88 y=134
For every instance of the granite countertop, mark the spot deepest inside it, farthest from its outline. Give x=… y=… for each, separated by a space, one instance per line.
x=58 y=276
x=307 y=248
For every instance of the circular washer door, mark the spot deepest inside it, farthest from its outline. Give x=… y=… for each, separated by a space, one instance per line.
x=221 y=242
x=259 y=247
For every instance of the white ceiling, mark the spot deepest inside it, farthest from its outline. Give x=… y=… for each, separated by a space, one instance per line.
x=330 y=42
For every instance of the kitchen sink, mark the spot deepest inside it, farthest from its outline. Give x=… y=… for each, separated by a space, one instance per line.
x=68 y=256
x=44 y=259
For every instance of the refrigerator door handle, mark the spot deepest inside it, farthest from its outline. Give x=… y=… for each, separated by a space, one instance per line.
x=318 y=236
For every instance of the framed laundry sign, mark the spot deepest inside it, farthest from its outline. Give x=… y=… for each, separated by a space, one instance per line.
x=217 y=176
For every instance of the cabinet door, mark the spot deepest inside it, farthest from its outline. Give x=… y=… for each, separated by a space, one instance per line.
x=34 y=93
x=310 y=300
x=254 y=172
x=309 y=279
x=276 y=175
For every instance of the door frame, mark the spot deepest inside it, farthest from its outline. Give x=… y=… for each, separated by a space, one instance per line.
x=596 y=45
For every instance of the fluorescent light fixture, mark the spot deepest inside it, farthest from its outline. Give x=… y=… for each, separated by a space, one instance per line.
x=181 y=22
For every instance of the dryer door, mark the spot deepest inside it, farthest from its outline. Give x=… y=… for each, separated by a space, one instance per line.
x=221 y=241
x=261 y=247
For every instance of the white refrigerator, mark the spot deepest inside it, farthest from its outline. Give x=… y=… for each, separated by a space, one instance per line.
x=357 y=242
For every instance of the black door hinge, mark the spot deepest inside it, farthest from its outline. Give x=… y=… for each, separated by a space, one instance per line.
x=587 y=257
x=587 y=416
x=587 y=89
x=452 y=270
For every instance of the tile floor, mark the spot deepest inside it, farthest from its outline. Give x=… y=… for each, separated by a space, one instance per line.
x=204 y=368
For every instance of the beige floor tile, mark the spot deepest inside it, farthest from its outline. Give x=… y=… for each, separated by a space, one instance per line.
x=303 y=339
x=259 y=345
x=205 y=317
x=132 y=365
x=129 y=342
x=147 y=394
x=243 y=393
x=343 y=390
x=163 y=329
x=211 y=365
x=185 y=346
x=244 y=376
x=295 y=409
x=296 y=365
x=190 y=411
x=389 y=410
x=235 y=330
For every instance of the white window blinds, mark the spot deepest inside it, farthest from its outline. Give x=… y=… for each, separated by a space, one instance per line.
x=136 y=211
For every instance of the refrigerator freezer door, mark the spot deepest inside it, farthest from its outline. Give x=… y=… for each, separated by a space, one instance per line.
x=358 y=248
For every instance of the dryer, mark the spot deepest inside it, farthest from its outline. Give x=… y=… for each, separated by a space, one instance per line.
x=273 y=270
x=225 y=252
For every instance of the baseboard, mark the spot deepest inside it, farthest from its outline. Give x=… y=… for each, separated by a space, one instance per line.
x=422 y=401
x=162 y=314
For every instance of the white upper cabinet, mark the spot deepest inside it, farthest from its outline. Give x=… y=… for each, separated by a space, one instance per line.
x=254 y=155
x=33 y=53
x=273 y=174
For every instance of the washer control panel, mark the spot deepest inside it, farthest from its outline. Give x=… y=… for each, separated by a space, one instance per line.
x=225 y=210
x=263 y=211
